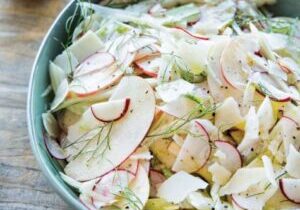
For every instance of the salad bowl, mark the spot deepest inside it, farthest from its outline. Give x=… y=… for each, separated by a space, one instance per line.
x=37 y=103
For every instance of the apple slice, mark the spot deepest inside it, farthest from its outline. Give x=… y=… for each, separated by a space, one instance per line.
x=180 y=107
x=110 y=111
x=290 y=188
x=233 y=159
x=110 y=186
x=242 y=180
x=251 y=136
x=95 y=62
x=133 y=126
x=149 y=65
x=156 y=179
x=176 y=188
x=87 y=45
x=193 y=154
x=228 y=114
x=266 y=117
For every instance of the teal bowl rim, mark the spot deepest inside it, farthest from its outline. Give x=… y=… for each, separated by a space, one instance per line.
x=37 y=151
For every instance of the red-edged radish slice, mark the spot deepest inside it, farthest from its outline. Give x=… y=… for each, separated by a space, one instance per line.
x=292 y=160
x=94 y=82
x=193 y=154
x=156 y=178
x=202 y=129
x=95 y=62
x=54 y=148
x=290 y=188
x=234 y=67
x=149 y=65
x=110 y=186
x=190 y=34
x=176 y=188
x=142 y=98
x=233 y=158
x=111 y=110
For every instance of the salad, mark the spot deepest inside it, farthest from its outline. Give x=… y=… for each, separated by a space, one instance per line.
x=174 y=104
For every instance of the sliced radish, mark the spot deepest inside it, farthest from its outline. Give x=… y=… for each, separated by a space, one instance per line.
x=190 y=34
x=228 y=114
x=156 y=179
x=110 y=186
x=193 y=154
x=207 y=130
x=110 y=111
x=90 y=84
x=149 y=65
x=95 y=62
x=176 y=188
x=54 y=148
x=233 y=158
x=290 y=188
x=235 y=69
x=293 y=160
x=218 y=87
x=85 y=166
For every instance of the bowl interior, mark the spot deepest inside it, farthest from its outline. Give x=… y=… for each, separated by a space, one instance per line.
x=40 y=80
